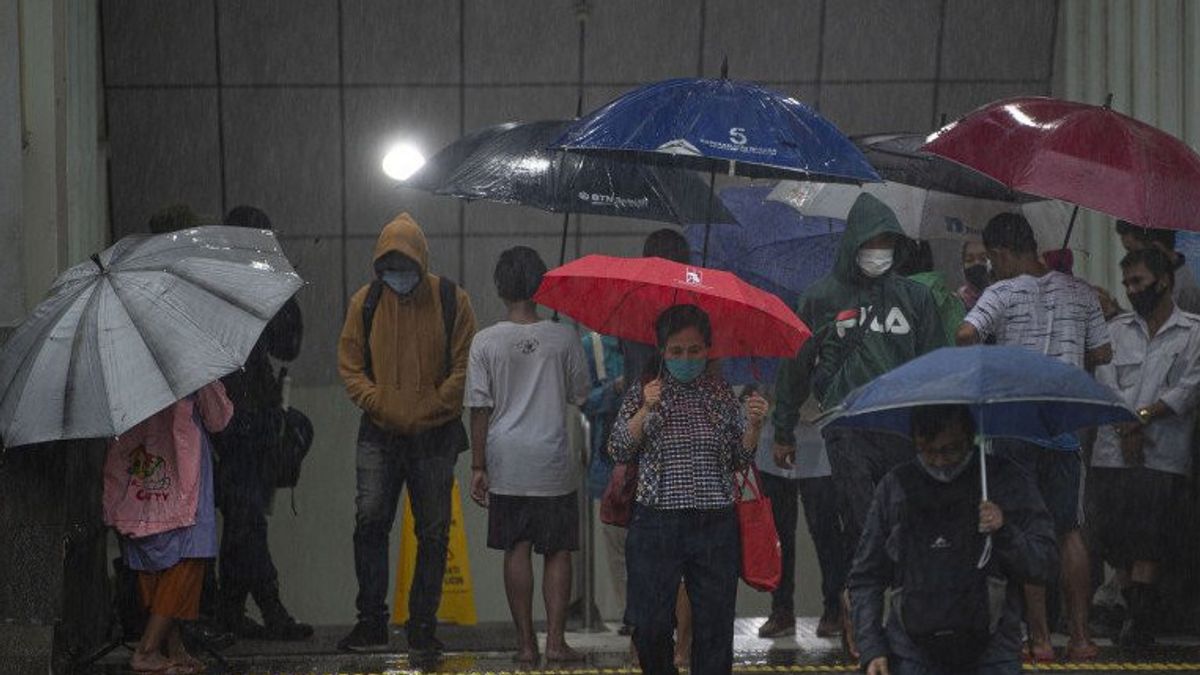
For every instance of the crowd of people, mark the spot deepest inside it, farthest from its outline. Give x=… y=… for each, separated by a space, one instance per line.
x=875 y=503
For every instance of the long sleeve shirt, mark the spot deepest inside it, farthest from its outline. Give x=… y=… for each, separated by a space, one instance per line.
x=690 y=446
x=1145 y=370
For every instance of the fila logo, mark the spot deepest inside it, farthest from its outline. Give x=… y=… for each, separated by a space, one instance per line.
x=894 y=324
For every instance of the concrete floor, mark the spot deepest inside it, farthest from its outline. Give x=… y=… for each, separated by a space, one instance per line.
x=487 y=648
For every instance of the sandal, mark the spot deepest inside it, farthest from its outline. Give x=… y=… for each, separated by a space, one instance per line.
x=1089 y=651
x=1028 y=655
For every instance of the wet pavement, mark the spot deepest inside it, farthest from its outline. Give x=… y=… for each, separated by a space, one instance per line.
x=487 y=648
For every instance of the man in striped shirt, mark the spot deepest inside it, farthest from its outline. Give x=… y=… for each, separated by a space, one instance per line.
x=1057 y=315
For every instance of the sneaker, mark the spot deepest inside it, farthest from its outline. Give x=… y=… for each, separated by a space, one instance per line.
x=778 y=625
x=367 y=636
x=830 y=624
x=288 y=630
x=422 y=644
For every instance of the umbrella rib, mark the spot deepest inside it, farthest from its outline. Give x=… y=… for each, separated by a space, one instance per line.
x=73 y=362
x=236 y=302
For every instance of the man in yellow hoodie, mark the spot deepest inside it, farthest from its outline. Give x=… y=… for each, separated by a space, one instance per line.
x=403 y=357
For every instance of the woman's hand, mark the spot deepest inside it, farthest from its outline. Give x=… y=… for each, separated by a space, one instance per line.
x=756 y=409
x=652 y=395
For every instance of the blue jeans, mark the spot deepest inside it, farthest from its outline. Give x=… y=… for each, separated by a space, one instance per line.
x=386 y=462
x=905 y=667
x=702 y=548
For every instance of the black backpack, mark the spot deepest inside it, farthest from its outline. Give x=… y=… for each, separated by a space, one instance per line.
x=455 y=432
x=944 y=599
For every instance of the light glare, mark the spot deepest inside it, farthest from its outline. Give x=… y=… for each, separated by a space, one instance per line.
x=402 y=161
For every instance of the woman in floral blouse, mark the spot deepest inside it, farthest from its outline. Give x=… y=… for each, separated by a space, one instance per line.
x=688 y=433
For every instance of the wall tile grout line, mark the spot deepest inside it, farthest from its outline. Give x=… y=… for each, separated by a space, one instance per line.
x=937 y=65
x=220 y=106
x=342 y=148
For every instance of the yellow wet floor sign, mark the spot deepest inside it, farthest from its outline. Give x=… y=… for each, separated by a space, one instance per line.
x=458 y=598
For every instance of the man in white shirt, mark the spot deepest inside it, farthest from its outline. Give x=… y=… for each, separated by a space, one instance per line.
x=1057 y=315
x=1140 y=470
x=521 y=375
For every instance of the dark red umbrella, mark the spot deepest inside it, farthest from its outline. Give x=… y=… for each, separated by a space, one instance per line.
x=623 y=297
x=1089 y=155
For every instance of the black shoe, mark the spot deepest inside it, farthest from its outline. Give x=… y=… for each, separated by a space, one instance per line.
x=778 y=625
x=424 y=645
x=367 y=636
x=287 y=630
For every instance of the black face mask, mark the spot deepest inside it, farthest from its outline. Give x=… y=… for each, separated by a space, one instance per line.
x=977 y=276
x=1146 y=300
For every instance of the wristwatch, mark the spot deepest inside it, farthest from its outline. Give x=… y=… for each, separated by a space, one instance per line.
x=1145 y=415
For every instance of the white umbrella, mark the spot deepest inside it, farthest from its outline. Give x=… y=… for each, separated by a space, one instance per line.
x=928 y=214
x=138 y=327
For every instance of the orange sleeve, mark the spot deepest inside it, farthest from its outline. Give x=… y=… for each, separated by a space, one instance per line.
x=350 y=357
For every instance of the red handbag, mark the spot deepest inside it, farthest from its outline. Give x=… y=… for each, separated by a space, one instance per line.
x=762 y=557
x=616 y=506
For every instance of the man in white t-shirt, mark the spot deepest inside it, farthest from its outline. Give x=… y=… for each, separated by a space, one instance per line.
x=1057 y=315
x=522 y=374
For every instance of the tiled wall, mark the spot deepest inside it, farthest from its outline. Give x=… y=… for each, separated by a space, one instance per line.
x=289 y=104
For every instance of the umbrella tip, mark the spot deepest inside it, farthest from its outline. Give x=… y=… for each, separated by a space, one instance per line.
x=725 y=67
x=99 y=265
x=1108 y=101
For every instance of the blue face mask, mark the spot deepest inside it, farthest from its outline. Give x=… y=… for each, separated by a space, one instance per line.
x=401 y=281
x=686 y=370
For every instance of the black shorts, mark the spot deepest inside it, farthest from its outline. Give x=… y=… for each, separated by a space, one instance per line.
x=551 y=524
x=1134 y=512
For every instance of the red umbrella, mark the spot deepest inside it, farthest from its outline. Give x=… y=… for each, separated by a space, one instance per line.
x=1089 y=155
x=623 y=297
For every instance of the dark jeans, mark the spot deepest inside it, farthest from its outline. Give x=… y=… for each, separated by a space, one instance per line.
x=825 y=528
x=702 y=547
x=245 y=559
x=860 y=459
x=386 y=462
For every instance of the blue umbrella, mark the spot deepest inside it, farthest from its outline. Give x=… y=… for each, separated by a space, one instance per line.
x=721 y=125
x=1012 y=392
x=774 y=248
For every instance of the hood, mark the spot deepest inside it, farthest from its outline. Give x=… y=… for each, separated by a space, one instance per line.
x=868 y=217
x=404 y=236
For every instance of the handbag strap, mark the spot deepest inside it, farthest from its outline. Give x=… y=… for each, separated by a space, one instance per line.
x=747 y=479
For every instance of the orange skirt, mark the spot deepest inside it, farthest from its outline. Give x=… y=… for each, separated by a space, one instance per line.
x=175 y=591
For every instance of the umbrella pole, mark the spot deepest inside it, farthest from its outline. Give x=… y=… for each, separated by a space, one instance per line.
x=712 y=182
x=985 y=444
x=562 y=252
x=1070 y=227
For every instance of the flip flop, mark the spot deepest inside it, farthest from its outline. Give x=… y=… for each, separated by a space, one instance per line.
x=1028 y=655
x=1088 y=652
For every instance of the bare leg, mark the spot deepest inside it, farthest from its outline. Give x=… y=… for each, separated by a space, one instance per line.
x=178 y=653
x=149 y=653
x=556 y=592
x=1077 y=586
x=1035 y=617
x=518 y=585
x=683 y=627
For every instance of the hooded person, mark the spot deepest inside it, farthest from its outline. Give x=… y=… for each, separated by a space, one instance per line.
x=866 y=320
x=403 y=357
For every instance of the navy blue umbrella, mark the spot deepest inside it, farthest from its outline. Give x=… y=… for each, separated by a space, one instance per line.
x=773 y=247
x=721 y=125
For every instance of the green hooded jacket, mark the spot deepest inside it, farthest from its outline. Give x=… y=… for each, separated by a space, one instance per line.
x=862 y=327
x=949 y=306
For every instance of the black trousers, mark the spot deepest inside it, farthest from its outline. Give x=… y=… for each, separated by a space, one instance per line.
x=819 y=497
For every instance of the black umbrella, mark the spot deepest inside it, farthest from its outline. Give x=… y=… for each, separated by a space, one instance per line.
x=898 y=158
x=511 y=164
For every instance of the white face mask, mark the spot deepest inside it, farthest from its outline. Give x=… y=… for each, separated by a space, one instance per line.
x=875 y=262
x=945 y=474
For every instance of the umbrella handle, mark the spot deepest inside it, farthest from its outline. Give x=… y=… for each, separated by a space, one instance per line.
x=985 y=444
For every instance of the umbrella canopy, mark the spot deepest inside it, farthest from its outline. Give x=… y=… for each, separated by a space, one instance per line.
x=143 y=324
x=1089 y=155
x=623 y=297
x=721 y=125
x=776 y=249
x=511 y=164
x=1012 y=392
x=933 y=198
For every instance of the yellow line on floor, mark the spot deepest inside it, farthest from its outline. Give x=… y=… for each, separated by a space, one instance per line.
x=1093 y=667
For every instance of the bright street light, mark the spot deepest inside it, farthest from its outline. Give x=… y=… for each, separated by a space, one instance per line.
x=402 y=161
